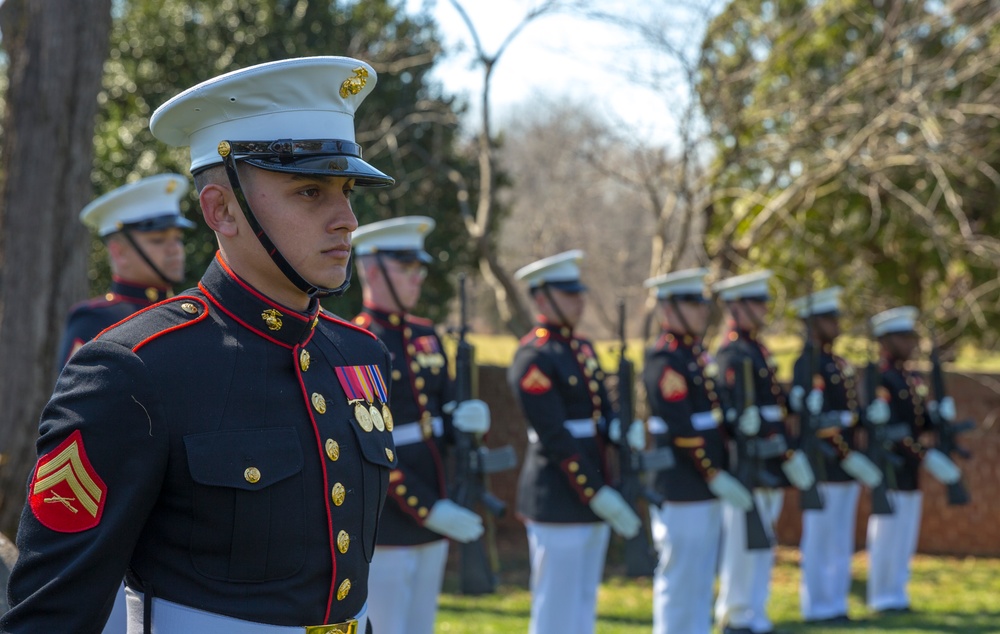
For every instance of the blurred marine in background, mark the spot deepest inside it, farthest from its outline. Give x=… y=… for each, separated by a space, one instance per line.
x=564 y=495
x=408 y=566
x=141 y=226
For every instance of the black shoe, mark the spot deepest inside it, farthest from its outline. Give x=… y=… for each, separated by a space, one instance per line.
x=736 y=630
x=901 y=610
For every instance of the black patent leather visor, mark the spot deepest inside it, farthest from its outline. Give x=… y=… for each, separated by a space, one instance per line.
x=326 y=157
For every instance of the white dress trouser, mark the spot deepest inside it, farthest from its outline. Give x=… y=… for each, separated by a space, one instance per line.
x=173 y=618
x=403 y=587
x=745 y=575
x=827 y=547
x=567 y=561
x=686 y=536
x=892 y=540
x=118 y=621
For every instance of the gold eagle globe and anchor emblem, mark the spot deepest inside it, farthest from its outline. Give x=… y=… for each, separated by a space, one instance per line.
x=272 y=318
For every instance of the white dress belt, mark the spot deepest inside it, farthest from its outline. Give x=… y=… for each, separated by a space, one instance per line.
x=701 y=421
x=577 y=428
x=410 y=433
x=174 y=618
x=772 y=413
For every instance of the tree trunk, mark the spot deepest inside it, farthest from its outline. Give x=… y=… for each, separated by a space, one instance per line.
x=56 y=51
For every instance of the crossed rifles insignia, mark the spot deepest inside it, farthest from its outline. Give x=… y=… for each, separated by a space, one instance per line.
x=66 y=494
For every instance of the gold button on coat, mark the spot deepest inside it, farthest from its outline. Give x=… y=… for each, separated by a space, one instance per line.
x=252 y=475
x=304 y=359
x=388 y=454
x=332 y=449
x=189 y=308
x=343 y=541
x=338 y=494
x=319 y=403
x=343 y=590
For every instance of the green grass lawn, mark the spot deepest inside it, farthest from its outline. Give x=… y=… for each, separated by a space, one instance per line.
x=960 y=595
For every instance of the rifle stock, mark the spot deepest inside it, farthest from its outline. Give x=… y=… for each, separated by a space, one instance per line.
x=811 y=499
x=879 y=452
x=473 y=462
x=640 y=558
x=947 y=432
x=749 y=464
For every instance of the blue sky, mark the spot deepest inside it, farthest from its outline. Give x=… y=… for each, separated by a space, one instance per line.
x=556 y=57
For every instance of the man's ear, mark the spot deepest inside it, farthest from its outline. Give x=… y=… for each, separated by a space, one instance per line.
x=217 y=203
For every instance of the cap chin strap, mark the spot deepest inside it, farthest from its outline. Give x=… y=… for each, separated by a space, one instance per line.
x=289 y=272
x=135 y=245
x=388 y=281
x=555 y=307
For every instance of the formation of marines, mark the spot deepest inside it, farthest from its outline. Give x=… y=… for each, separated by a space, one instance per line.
x=236 y=458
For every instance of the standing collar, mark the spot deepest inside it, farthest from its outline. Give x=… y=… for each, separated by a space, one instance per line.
x=252 y=309
x=563 y=332
x=142 y=292
x=386 y=318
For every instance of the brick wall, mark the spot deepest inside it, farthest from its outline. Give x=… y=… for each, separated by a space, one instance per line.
x=966 y=530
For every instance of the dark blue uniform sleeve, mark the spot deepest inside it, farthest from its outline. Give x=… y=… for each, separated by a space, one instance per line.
x=535 y=382
x=101 y=456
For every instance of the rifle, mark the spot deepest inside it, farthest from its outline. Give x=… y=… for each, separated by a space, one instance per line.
x=879 y=447
x=947 y=432
x=473 y=463
x=811 y=499
x=749 y=464
x=640 y=558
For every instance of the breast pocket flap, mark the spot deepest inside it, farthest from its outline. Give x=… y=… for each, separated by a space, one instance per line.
x=245 y=459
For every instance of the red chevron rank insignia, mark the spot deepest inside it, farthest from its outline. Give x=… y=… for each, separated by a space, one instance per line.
x=673 y=386
x=535 y=382
x=66 y=494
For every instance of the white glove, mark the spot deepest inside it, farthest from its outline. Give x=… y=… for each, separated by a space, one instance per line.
x=611 y=507
x=798 y=471
x=750 y=421
x=814 y=402
x=795 y=398
x=636 y=435
x=729 y=489
x=472 y=417
x=858 y=466
x=941 y=467
x=454 y=521
x=946 y=409
x=877 y=412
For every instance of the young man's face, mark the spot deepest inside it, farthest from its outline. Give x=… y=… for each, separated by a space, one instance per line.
x=901 y=345
x=562 y=306
x=309 y=219
x=827 y=328
x=164 y=248
x=406 y=278
x=685 y=317
x=749 y=314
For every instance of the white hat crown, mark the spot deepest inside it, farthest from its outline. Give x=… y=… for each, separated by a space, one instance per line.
x=562 y=267
x=820 y=302
x=154 y=197
x=899 y=319
x=405 y=233
x=749 y=285
x=683 y=282
x=302 y=98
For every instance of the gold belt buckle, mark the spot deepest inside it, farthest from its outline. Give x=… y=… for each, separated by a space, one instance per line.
x=347 y=627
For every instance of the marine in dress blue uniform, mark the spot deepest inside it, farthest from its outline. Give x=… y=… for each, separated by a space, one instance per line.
x=409 y=563
x=225 y=451
x=826 y=384
x=745 y=575
x=564 y=494
x=892 y=539
x=686 y=414
x=136 y=222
